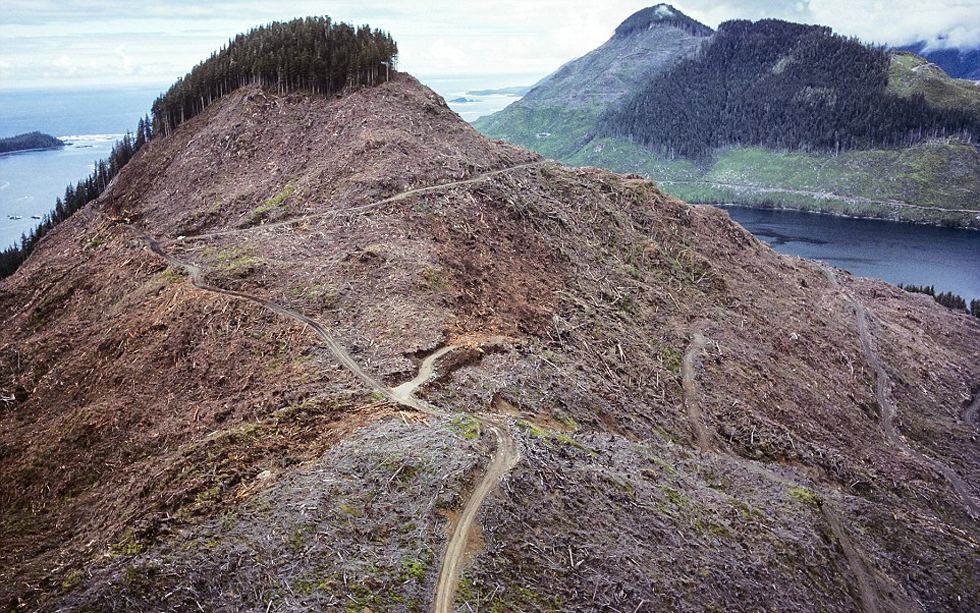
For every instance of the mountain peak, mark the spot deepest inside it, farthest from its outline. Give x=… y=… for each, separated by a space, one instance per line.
x=661 y=14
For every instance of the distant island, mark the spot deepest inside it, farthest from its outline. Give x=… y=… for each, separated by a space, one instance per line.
x=29 y=141
x=462 y=100
x=519 y=90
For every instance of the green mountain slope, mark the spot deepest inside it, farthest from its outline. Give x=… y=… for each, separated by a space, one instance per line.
x=556 y=117
x=909 y=74
x=934 y=180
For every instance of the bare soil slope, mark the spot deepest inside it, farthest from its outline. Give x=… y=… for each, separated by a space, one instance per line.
x=169 y=448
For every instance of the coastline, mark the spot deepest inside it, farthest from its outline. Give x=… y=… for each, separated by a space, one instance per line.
x=842 y=214
x=16 y=151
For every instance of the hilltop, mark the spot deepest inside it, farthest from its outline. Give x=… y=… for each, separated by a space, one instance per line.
x=957 y=63
x=774 y=114
x=343 y=352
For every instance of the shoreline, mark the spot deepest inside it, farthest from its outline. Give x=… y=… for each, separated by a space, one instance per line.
x=837 y=214
x=16 y=151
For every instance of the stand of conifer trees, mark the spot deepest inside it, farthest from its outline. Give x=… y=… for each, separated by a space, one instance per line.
x=312 y=54
x=780 y=85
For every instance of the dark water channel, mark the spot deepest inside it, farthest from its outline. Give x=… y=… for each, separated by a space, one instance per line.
x=897 y=252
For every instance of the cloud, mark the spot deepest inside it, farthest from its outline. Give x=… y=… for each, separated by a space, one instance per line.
x=60 y=42
x=942 y=23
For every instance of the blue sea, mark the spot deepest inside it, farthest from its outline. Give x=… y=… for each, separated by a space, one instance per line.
x=90 y=121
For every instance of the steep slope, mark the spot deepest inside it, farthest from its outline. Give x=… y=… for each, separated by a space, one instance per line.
x=285 y=360
x=557 y=114
x=770 y=137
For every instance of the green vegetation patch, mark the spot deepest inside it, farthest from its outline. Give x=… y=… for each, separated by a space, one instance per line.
x=259 y=214
x=552 y=436
x=465 y=426
x=805 y=496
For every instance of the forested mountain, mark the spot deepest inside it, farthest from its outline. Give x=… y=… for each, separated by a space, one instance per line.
x=957 y=63
x=558 y=114
x=313 y=55
x=765 y=114
x=783 y=86
x=30 y=140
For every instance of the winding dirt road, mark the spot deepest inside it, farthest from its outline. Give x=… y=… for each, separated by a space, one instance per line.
x=505 y=455
x=868 y=584
x=970 y=414
x=371 y=205
x=888 y=408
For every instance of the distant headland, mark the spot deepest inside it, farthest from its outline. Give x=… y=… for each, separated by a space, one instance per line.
x=28 y=142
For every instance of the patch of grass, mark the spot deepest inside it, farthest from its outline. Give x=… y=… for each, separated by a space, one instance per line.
x=319 y=579
x=171 y=274
x=260 y=213
x=434 y=279
x=664 y=464
x=568 y=422
x=552 y=436
x=128 y=545
x=346 y=508
x=671 y=358
x=466 y=426
x=805 y=496
x=414 y=569
x=514 y=597
x=236 y=263
x=71 y=580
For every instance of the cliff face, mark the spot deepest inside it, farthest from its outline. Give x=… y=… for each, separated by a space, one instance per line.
x=682 y=418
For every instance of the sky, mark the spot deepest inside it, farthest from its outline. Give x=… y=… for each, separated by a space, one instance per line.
x=83 y=43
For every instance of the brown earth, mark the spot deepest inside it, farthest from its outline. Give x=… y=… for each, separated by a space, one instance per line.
x=170 y=448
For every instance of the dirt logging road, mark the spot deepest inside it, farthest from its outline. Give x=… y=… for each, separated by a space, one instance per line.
x=504 y=457
x=888 y=409
x=354 y=210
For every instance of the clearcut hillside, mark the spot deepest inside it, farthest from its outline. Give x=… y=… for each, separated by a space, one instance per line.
x=345 y=353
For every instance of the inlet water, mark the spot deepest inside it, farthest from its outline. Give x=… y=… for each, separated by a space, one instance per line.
x=897 y=252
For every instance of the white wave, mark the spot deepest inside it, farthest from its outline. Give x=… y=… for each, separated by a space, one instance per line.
x=92 y=136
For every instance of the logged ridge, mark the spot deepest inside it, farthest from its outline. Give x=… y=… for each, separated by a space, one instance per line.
x=327 y=353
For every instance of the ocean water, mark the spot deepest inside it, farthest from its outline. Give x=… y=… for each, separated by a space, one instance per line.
x=90 y=121
x=453 y=87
